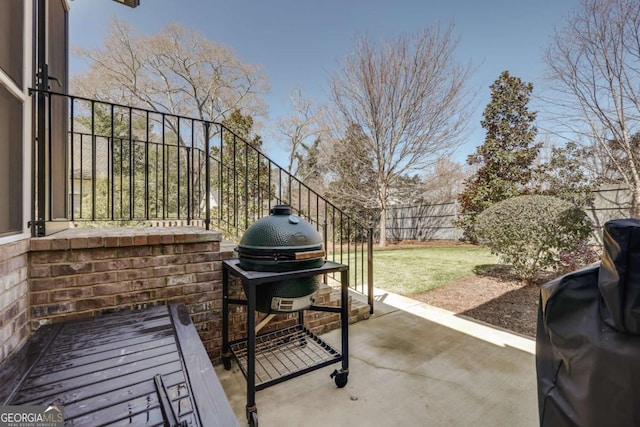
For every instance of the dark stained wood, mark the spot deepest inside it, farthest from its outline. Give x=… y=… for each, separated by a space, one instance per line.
x=69 y=393
x=116 y=396
x=91 y=375
x=199 y=371
x=106 y=371
x=69 y=360
x=257 y=278
x=14 y=370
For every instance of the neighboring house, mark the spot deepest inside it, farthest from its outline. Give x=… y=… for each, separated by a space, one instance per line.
x=82 y=170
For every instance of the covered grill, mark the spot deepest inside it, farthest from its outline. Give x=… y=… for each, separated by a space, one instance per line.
x=588 y=339
x=282 y=242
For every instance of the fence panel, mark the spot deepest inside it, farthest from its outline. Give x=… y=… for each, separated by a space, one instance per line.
x=435 y=221
x=423 y=222
x=609 y=202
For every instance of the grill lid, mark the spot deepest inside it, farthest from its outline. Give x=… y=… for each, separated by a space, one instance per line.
x=280 y=242
x=281 y=231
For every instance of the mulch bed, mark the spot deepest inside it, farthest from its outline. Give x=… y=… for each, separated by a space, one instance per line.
x=494 y=297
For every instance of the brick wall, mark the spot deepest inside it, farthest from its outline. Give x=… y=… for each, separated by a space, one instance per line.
x=14 y=328
x=316 y=321
x=82 y=273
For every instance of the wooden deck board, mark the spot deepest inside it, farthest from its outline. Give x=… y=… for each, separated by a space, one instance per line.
x=73 y=369
x=60 y=361
x=87 y=376
x=83 y=398
x=77 y=341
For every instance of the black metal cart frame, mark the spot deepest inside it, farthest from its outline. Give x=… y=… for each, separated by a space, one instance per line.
x=271 y=345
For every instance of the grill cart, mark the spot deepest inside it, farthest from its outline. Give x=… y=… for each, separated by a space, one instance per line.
x=280 y=261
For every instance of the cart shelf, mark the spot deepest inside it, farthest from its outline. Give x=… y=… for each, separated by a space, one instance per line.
x=284 y=354
x=273 y=357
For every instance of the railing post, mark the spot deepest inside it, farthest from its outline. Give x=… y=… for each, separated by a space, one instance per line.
x=132 y=170
x=370 y=270
x=38 y=214
x=325 y=238
x=207 y=187
x=93 y=161
x=188 y=184
x=71 y=169
x=221 y=188
x=112 y=168
x=246 y=187
x=146 y=168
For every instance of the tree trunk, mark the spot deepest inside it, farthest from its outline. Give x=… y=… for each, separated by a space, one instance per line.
x=634 y=212
x=383 y=227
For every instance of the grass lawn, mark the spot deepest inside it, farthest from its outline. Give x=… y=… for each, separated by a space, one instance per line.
x=416 y=270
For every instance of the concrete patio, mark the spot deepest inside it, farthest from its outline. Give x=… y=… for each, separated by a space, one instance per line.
x=410 y=364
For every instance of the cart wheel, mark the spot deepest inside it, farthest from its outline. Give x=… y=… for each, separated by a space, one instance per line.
x=340 y=378
x=226 y=362
x=253 y=419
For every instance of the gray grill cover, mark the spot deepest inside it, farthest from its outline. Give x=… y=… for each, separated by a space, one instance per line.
x=588 y=338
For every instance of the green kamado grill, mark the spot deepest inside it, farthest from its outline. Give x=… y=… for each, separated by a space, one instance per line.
x=282 y=242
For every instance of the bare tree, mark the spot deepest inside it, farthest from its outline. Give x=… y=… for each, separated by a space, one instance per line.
x=175 y=71
x=594 y=68
x=445 y=181
x=300 y=130
x=408 y=97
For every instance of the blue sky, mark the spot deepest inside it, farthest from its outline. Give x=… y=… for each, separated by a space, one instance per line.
x=299 y=43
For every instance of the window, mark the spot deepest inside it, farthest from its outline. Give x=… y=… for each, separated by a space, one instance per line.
x=12 y=39
x=12 y=116
x=11 y=164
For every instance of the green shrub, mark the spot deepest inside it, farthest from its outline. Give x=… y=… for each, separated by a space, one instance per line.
x=530 y=232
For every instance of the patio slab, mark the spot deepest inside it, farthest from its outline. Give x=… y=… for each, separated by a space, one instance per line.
x=410 y=364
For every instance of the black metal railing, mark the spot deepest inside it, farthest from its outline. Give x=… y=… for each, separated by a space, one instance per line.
x=131 y=166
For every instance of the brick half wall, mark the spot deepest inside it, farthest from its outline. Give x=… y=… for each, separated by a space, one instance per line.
x=82 y=273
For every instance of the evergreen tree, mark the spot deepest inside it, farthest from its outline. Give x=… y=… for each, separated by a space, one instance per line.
x=565 y=176
x=505 y=161
x=242 y=180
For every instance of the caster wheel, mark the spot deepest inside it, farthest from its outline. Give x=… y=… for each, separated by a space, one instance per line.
x=226 y=362
x=253 y=419
x=340 y=378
